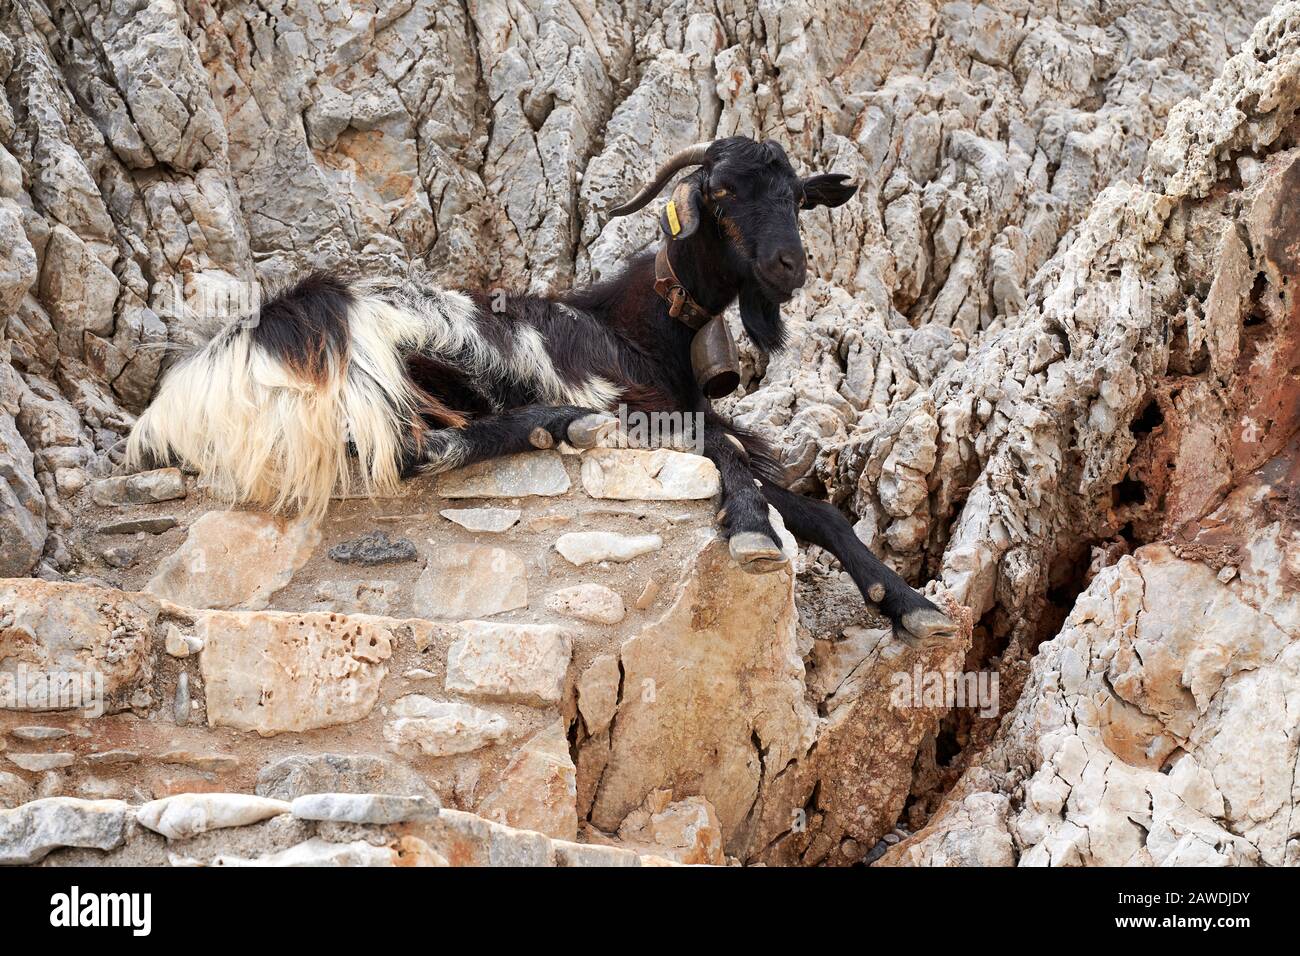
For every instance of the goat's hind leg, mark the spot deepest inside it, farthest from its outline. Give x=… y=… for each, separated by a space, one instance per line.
x=508 y=433
x=916 y=621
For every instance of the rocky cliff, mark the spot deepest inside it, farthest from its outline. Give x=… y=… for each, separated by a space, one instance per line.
x=1046 y=359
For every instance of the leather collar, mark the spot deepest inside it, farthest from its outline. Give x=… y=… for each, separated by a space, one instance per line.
x=681 y=306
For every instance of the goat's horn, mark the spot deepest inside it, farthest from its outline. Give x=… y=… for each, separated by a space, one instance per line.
x=690 y=156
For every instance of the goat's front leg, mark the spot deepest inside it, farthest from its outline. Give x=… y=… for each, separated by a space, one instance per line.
x=518 y=430
x=752 y=540
x=916 y=621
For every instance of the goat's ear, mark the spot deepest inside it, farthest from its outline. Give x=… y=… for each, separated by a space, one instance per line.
x=827 y=189
x=680 y=216
x=761 y=318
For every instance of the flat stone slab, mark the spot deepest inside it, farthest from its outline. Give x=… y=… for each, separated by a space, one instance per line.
x=514 y=476
x=233 y=559
x=136 y=525
x=518 y=662
x=300 y=774
x=494 y=520
x=147 y=487
x=369 y=808
x=437 y=728
x=590 y=547
x=28 y=833
x=40 y=762
x=272 y=672
x=470 y=581
x=189 y=814
x=658 y=475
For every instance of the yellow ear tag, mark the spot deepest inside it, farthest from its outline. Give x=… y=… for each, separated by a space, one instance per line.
x=673 y=222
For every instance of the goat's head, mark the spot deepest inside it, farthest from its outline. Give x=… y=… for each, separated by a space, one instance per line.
x=748 y=195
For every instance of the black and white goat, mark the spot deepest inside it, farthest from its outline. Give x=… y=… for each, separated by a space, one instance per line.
x=404 y=376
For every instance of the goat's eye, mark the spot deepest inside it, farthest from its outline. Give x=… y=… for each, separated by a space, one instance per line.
x=719 y=193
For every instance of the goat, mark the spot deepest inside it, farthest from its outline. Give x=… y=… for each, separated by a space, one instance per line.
x=406 y=377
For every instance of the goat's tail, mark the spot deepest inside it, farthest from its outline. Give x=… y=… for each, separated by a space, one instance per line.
x=266 y=410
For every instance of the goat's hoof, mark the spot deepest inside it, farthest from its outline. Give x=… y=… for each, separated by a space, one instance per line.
x=539 y=437
x=925 y=627
x=756 y=553
x=590 y=430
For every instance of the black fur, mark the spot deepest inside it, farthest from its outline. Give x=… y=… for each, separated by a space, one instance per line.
x=306 y=325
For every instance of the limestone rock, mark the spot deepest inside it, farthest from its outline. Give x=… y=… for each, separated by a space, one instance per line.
x=539 y=790
x=77 y=647
x=318 y=852
x=709 y=700
x=22 y=505
x=29 y=832
x=587 y=602
x=14 y=790
x=363 y=808
x=147 y=487
x=598 y=689
x=189 y=814
x=1153 y=729
x=136 y=525
x=291 y=777
x=491 y=520
x=659 y=475
x=521 y=662
x=469 y=581
x=41 y=762
x=685 y=830
x=514 y=476
x=440 y=728
x=233 y=559
x=589 y=547
x=274 y=672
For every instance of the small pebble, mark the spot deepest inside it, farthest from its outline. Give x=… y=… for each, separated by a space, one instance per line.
x=182 y=699
x=178 y=644
x=119 y=557
x=38 y=733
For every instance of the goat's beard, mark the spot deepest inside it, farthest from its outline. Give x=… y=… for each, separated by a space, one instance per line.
x=761 y=317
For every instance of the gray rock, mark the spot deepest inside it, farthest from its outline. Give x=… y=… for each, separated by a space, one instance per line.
x=515 y=476
x=136 y=525
x=295 y=776
x=493 y=520
x=29 y=832
x=471 y=581
x=374 y=548
x=38 y=763
x=368 y=808
x=589 y=547
x=147 y=487
x=119 y=557
x=14 y=790
x=38 y=733
x=22 y=505
x=181 y=704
